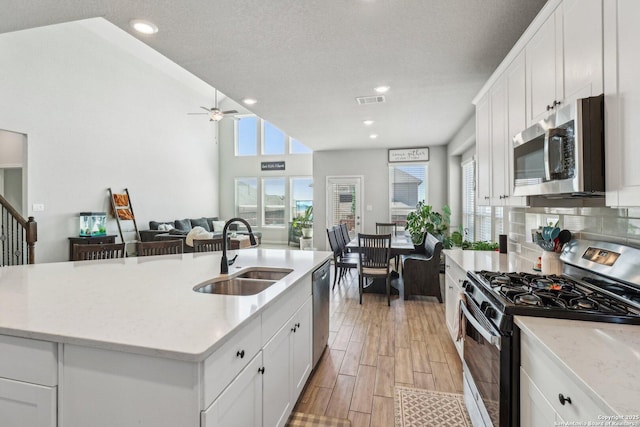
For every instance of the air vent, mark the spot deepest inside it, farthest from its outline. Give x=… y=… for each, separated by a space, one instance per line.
x=364 y=100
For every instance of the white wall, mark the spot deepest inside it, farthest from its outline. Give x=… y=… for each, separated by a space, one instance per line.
x=374 y=167
x=97 y=116
x=11 y=148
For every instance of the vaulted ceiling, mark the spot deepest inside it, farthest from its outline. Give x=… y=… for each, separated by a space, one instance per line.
x=306 y=61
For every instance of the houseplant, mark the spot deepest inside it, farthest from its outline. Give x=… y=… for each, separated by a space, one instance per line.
x=304 y=222
x=425 y=219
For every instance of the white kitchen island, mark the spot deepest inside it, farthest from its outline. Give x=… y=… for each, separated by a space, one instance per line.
x=128 y=342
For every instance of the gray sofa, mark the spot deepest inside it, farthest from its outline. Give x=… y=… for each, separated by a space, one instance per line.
x=181 y=227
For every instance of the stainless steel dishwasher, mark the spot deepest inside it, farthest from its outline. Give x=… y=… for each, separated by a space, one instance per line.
x=321 y=285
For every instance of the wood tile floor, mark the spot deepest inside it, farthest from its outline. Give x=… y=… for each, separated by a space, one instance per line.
x=372 y=348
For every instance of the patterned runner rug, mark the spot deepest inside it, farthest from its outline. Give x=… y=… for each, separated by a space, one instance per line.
x=417 y=407
x=298 y=419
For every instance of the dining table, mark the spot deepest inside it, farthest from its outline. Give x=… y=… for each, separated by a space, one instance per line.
x=401 y=244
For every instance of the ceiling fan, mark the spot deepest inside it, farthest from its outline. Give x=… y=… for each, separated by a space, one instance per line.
x=214 y=113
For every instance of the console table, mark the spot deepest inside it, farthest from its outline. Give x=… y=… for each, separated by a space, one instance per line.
x=89 y=240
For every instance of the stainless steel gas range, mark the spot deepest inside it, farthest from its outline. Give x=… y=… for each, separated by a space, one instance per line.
x=600 y=283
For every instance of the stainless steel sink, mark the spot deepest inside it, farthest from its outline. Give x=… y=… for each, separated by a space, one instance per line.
x=265 y=273
x=235 y=286
x=250 y=282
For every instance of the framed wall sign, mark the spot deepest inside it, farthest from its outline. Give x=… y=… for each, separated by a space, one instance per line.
x=409 y=155
x=272 y=166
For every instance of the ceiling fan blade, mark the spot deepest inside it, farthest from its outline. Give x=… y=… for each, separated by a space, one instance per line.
x=197 y=114
x=230 y=112
x=205 y=108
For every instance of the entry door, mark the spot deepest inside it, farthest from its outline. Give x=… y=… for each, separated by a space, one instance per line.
x=344 y=200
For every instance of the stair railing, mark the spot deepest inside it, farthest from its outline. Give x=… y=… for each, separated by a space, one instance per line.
x=17 y=236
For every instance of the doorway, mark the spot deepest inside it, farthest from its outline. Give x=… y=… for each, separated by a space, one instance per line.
x=13 y=161
x=344 y=202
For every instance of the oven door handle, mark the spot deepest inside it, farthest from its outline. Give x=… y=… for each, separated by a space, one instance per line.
x=493 y=339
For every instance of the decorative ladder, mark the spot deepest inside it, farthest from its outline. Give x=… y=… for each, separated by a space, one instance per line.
x=123 y=212
x=15 y=234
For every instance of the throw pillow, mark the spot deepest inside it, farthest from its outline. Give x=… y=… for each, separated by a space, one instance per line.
x=165 y=227
x=217 y=225
x=182 y=224
x=153 y=225
x=200 y=222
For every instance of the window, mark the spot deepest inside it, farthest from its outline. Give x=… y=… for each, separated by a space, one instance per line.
x=468 y=199
x=273 y=198
x=407 y=186
x=247 y=199
x=297 y=147
x=273 y=139
x=246 y=135
x=301 y=195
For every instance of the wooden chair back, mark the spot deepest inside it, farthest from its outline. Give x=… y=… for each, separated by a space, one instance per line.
x=98 y=251
x=375 y=252
x=208 y=245
x=386 y=228
x=160 y=247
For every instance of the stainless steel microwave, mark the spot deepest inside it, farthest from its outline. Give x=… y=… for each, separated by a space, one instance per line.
x=562 y=155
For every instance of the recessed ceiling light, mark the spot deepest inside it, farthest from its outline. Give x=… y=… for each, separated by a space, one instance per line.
x=249 y=101
x=373 y=136
x=368 y=122
x=144 y=27
x=381 y=89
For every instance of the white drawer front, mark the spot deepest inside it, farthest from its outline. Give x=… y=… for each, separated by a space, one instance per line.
x=29 y=360
x=453 y=270
x=222 y=366
x=552 y=381
x=23 y=404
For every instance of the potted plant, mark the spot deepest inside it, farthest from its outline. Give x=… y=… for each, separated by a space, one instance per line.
x=425 y=219
x=304 y=223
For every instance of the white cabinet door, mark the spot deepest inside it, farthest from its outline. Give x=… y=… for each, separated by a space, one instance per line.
x=622 y=102
x=516 y=122
x=483 y=152
x=240 y=404
x=277 y=380
x=301 y=349
x=535 y=410
x=582 y=48
x=499 y=174
x=25 y=404
x=544 y=68
x=454 y=278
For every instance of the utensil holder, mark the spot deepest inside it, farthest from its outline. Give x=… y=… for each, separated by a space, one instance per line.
x=551 y=263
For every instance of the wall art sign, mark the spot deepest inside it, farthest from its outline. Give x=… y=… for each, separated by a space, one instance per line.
x=272 y=166
x=409 y=155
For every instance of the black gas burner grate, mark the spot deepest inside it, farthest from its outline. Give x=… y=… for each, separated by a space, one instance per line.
x=553 y=292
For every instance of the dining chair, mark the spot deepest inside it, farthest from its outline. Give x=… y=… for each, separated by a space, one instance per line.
x=374 y=251
x=342 y=262
x=344 y=229
x=160 y=247
x=98 y=251
x=389 y=228
x=386 y=228
x=207 y=245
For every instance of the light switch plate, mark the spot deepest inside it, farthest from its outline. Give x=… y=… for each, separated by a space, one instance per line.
x=38 y=207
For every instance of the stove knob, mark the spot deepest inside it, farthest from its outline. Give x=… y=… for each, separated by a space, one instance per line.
x=490 y=312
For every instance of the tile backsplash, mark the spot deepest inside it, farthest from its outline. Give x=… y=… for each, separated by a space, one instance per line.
x=621 y=225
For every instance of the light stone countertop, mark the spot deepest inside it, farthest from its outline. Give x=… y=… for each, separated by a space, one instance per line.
x=489 y=260
x=603 y=358
x=143 y=305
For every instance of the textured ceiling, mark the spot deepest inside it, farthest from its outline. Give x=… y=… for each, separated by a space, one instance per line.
x=306 y=60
